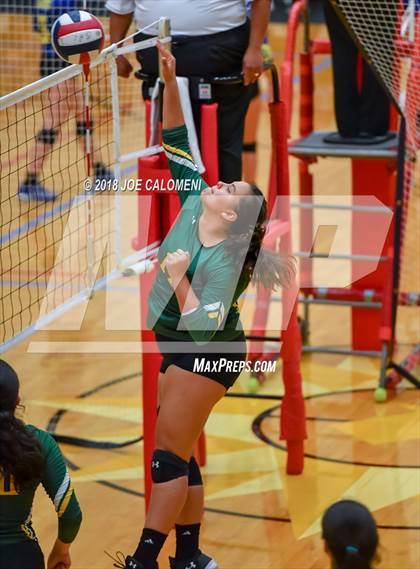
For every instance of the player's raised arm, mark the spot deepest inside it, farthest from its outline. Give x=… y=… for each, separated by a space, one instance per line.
x=172 y=110
x=174 y=133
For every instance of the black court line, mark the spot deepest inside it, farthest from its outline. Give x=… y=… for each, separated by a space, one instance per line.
x=248 y=516
x=74 y=467
x=255 y=396
x=219 y=511
x=325 y=419
x=88 y=443
x=138 y=494
x=259 y=433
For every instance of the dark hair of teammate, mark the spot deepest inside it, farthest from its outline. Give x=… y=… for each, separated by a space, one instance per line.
x=244 y=243
x=20 y=454
x=350 y=534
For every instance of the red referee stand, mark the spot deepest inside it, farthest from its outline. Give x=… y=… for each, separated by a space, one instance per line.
x=376 y=170
x=157 y=211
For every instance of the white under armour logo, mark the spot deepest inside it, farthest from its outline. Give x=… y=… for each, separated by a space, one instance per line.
x=191 y=565
x=186 y=533
x=155 y=464
x=149 y=541
x=132 y=564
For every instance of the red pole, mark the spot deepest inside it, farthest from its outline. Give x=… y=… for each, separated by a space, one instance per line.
x=209 y=144
x=292 y=416
x=149 y=232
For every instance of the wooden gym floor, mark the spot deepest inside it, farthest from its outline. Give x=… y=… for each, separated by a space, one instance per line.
x=256 y=517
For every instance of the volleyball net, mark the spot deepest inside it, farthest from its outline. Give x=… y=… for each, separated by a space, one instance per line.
x=24 y=36
x=388 y=34
x=61 y=231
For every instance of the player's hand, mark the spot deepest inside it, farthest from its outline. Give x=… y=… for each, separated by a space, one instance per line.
x=176 y=266
x=60 y=556
x=168 y=63
x=62 y=561
x=124 y=67
x=252 y=65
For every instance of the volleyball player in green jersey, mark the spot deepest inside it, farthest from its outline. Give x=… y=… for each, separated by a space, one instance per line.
x=29 y=457
x=206 y=262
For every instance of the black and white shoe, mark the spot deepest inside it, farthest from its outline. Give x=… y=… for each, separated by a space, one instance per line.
x=131 y=563
x=122 y=562
x=199 y=561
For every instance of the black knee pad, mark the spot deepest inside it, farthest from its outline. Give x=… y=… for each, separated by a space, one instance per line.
x=194 y=474
x=81 y=127
x=47 y=135
x=167 y=466
x=249 y=147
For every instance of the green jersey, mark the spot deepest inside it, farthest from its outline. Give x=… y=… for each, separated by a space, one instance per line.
x=214 y=279
x=16 y=506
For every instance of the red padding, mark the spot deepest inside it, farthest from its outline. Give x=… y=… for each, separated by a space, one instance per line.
x=209 y=145
x=320 y=46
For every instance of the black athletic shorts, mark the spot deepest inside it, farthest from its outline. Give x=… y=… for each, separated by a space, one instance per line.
x=22 y=555
x=224 y=368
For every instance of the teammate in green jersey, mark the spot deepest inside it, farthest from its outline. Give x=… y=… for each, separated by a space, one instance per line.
x=29 y=457
x=206 y=261
x=350 y=536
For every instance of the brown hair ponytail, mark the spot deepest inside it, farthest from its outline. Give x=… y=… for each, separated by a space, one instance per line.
x=21 y=458
x=244 y=244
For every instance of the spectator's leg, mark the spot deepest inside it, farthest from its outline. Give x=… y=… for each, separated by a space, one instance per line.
x=375 y=107
x=344 y=57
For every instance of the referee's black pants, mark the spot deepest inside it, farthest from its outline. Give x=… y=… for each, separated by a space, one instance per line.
x=212 y=55
x=367 y=111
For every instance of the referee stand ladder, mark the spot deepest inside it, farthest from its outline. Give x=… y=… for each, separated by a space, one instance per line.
x=377 y=170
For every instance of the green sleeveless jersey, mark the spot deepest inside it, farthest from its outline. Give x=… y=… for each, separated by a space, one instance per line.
x=215 y=281
x=16 y=506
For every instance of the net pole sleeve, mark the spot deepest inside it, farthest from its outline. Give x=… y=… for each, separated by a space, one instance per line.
x=398 y=225
x=116 y=123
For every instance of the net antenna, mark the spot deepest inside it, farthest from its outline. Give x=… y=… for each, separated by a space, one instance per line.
x=88 y=151
x=388 y=35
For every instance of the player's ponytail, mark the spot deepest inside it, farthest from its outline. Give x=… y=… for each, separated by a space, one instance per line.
x=21 y=459
x=244 y=243
x=350 y=533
